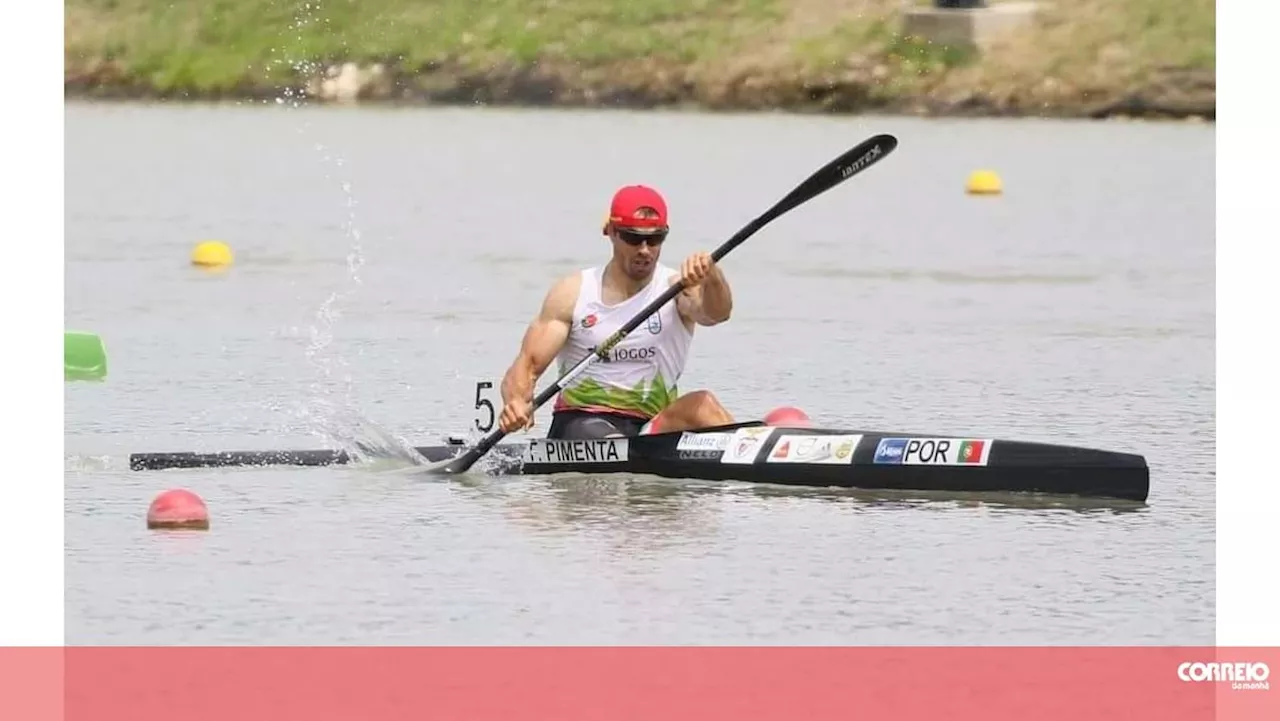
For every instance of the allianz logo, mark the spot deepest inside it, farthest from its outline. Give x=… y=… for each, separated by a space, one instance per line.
x=703 y=441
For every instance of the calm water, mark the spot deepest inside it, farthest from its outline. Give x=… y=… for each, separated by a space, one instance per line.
x=387 y=261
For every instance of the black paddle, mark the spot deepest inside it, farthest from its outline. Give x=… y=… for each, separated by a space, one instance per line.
x=861 y=157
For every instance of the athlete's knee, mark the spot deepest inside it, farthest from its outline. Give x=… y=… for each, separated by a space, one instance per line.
x=706 y=409
x=703 y=400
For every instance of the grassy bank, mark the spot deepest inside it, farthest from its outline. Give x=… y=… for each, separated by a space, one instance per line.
x=1089 y=57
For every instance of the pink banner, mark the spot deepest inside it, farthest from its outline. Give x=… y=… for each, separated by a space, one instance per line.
x=623 y=684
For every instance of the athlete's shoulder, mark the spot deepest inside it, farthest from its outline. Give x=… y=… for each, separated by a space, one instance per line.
x=570 y=282
x=562 y=296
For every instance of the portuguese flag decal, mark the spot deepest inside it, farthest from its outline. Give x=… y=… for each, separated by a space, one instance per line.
x=971 y=451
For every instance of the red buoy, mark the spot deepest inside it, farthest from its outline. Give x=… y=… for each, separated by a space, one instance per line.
x=787 y=416
x=178 y=508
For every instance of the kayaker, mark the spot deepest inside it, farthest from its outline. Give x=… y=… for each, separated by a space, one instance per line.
x=634 y=391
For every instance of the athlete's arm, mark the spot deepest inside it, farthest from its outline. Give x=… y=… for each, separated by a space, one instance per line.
x=710 y=302
x=542 y=341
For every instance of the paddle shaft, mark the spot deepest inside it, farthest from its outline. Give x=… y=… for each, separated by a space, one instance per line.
x=852 y=162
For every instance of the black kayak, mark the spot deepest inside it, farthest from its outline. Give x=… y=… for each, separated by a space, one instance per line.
x=758 y=453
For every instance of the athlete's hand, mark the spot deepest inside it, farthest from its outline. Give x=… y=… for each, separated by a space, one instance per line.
x=516 y=416
x=695 y=269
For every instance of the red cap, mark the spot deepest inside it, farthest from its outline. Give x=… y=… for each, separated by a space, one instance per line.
x=632 y=207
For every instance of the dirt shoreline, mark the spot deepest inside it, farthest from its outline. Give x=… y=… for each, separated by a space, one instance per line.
x=1170 y=94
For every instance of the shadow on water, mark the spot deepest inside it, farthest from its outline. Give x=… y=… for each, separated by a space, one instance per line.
x=973 y=499
x=629 y=503
x=690 y=506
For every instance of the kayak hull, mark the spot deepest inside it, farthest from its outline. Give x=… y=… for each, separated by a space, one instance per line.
x=755 y=453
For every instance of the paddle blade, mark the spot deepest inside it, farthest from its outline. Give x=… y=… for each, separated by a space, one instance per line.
x=84 y=357
x=854 y=161
x=459 y=465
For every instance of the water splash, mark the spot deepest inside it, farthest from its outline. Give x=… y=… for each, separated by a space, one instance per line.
x=75 y=463
x=330 y=409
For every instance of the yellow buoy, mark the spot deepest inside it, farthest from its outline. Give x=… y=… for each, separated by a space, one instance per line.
x=211 y=254
x=984 y=182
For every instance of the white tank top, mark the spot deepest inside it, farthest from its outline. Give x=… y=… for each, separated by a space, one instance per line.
x=640 y=376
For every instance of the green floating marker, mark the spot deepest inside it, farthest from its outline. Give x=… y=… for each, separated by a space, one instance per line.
x=84 y=357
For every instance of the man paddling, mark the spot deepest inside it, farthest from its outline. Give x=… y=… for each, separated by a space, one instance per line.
x=633 y=391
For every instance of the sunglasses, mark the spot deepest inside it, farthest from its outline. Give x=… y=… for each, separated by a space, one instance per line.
x=635 y=240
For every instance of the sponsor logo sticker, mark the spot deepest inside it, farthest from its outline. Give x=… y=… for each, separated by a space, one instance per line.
x=814 y=449
x=745 y=443
x=890 y=450
x=655 y=324
x=596 y=450
x=934 y=451
x=703 y=441
x=631 y=353
x=702 y=446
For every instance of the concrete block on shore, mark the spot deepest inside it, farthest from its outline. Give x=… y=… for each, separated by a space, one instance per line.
x=974 y=27
x=349 y=83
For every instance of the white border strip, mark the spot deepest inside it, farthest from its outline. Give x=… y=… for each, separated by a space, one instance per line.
x=31 y=511
x=1248 y=487
x=31 y=555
